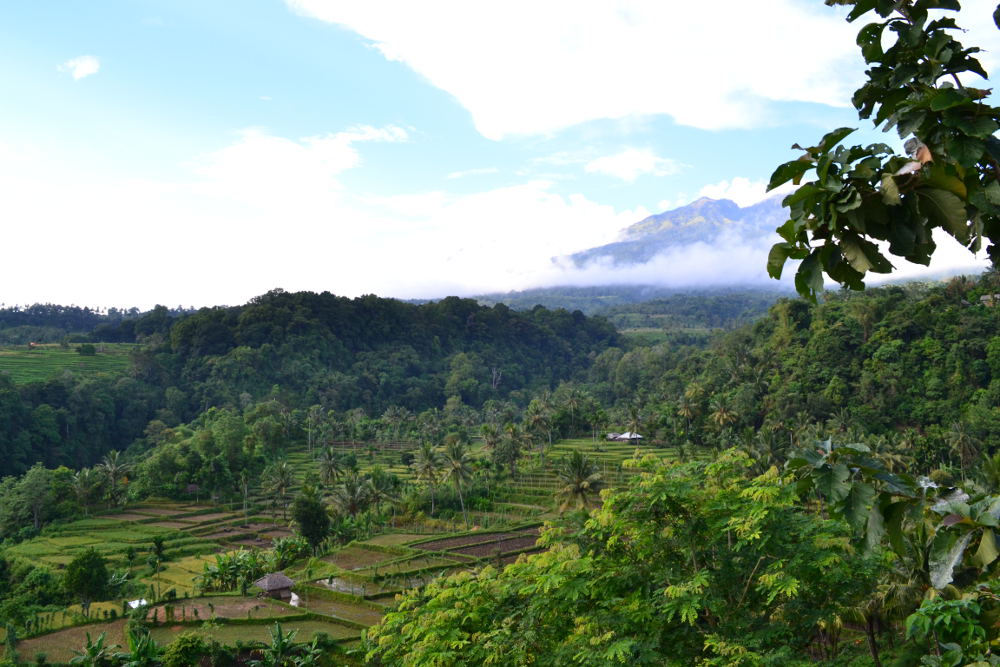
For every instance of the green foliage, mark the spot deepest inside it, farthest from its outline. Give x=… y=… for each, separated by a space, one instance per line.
x=687 y=564
x=866 y=194
x=87 y=577
x=311 y=517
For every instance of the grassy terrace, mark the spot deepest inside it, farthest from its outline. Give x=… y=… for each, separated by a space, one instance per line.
x=339 y=593
x=51 y=360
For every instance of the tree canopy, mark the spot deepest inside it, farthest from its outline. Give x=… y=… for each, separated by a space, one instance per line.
x=865 y=200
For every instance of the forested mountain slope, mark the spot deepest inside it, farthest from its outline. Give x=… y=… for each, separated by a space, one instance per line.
x=303 y=348
x=915 y=362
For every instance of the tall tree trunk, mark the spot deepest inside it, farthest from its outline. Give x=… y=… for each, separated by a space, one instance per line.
x=461 y=500
x=870 y=636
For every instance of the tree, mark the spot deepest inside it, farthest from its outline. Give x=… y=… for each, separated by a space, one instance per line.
x=310 y=515
x=352 y=496
x=862 y=195
x=580 y=480
x=693 y=564
x=35 y=492
x=114 y=470
x=458 y=464
x=427 y=466
x=87 y=578
x=278 y=480
x=330 y=466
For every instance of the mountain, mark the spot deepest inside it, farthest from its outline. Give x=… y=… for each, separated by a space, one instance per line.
x=705 y=220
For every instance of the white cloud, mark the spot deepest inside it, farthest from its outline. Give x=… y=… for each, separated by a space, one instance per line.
x=479 y=171
x=535 y=68
x=632 y=163
x=81 y=67
x=741 y=190
x=268 y=211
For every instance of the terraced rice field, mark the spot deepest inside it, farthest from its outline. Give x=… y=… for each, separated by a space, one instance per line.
x=48 y=361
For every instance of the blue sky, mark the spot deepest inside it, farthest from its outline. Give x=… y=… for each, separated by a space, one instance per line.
x=203 y=152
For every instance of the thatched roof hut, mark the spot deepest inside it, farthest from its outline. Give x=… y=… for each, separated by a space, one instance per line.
x=275 y=585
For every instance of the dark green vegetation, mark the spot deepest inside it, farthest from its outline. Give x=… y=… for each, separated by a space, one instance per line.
x=313 y=349
x=820 y=486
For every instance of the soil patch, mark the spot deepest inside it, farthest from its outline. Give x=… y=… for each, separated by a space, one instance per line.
x=202 y=518
x=222 y=607
x=462 y=540
x=501 y=547
x=258 y=542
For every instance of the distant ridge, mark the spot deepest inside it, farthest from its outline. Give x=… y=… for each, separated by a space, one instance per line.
x=704 y=220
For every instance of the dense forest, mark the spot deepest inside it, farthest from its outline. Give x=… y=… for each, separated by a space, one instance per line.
x=302 y=349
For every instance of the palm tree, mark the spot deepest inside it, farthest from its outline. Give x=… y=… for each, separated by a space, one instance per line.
x=278 y=480
x=330 y=467
x=580 y=479
x=381 y=487
x=427 y=466
x=964 y=444
x=491 y=435
x=722 y=415
x=84 y=483
x=352 y=496
x=459 y=466
x=245 y=492
x=114 y=469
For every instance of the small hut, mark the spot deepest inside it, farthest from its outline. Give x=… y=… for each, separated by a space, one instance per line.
x=276 y=585
x=628 y=436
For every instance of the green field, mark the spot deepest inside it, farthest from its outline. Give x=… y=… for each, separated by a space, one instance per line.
x=346 y=589
x=52 y=360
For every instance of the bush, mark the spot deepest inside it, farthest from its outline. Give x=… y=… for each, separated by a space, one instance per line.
x=87 y=350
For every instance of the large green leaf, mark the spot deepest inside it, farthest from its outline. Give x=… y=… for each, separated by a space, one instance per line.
x=856 y=504
x=946 y=210
x=987 y=551
x=832 y=482
x=831 y=139
x=875 y=529
x=947 y=98
x=863 y=255
x=947 y=550
x=809 y=277
x=890 y=191
x=790 y=171
x=776 y=258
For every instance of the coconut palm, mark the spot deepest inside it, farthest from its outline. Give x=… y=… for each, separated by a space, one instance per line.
x=330 y=466
x=278 y=480
x=352 y=496
x=580 y=480
x=427 y=466
x=84 y=483
x=458 y=464
x=114 y=471
x=382 y=487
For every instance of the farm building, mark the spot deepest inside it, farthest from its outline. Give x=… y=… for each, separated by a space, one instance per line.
x=276 y=585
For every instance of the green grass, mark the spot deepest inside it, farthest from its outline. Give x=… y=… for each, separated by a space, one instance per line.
x=48 y=361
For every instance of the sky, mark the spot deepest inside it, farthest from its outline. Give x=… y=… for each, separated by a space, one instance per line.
x=202 y=152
